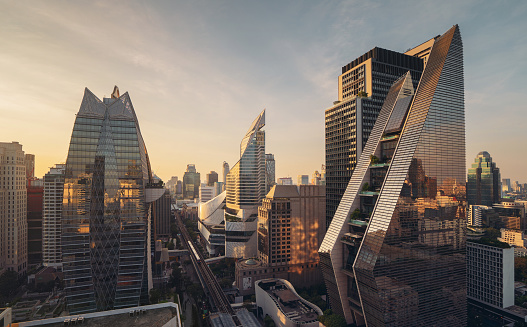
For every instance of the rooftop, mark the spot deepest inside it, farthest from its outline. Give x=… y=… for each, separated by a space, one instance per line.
x=148 y=315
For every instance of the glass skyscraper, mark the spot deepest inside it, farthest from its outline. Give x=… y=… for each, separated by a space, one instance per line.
x=484 y=181
x=394 y=254
x=105 y=218
x=245 y=190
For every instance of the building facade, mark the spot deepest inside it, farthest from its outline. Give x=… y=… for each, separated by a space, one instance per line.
x=51 y=217
x=270 y=172
x=362 y=88
x=490 y=274
x=13 y=211
x=211 y=178
x=394 y=254
x=161 y=214
x=245 y=191
x=35 y=195
x=191 y=183
x=105 y=217
x=303 y=180
x=484 y=181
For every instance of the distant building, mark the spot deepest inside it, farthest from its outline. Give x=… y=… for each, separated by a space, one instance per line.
x=13 y=211
x=219 y=187
x=290 y=231
x=484 y=181
x=317 y=177
x=245 y=190
x=211 y=178
x=161 y=215
x=513 y=237
x=225 y=171
x=278 y=299
x=206 y=192
x=35 y=196
x=285 y=181
x=29 y=160
x=211 y=224
x=171 y=185
x=506 y=185
x=270 y=172
x=191 y=183
x=490 y=274
x=303 y=180
x=52 y=214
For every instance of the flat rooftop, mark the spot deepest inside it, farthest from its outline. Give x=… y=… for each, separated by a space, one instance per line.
x=156 y=315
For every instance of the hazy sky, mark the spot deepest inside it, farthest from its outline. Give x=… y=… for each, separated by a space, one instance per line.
x=198 y=72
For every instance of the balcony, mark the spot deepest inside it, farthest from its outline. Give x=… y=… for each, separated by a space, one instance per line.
x=358 y=223
x=352 y=239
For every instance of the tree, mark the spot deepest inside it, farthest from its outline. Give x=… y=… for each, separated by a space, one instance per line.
x=355 y=214
x=269 y=322
x=8 y=284
x=332 y=320
x=155 y=295
x=362 y=94
x=170 y=245
x=366 y=187
x=520 y=269
x=374 y=159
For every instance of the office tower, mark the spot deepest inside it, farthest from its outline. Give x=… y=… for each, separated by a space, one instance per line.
x=270 y=171
x=484 y=182
x=218 y=188
x=29 y=160
x=317 y=177
x=191 y=182
x=161 y=214
x=506 y=185
x=362 y=88
x=206 y=192
x=303 y=180
x=323 y=176
x=225 y=171
x=51 y=217
x=394 y=254
x=285 y=181
x=171 y=185
x=291 y=225
x=211 y=224
x=490 y=274
x=13 y=208
x=35 y=196
x=211 y=178
x=245 y=191
x=105 y=217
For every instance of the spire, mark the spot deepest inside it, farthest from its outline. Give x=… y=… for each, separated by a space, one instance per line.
x=115 y=93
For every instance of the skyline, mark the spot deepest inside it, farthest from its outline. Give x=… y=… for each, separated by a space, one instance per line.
x=208 y=69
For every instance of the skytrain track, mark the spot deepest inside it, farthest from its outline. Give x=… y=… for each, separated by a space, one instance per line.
x=207 y=278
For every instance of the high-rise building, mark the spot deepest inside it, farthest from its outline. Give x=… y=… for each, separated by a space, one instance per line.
x=290 y=229
x=362 y=88
x=394 y=254
x=303 y=180
x=206 y=192
x=270 y=172
x=35 y=196
x=51 y=217
x=191 y=182
x=13 y=208
x=245 y=191
x=506 y=185
x=29 y=160
x=211 y=178
x=105 y=216
x=484 y=182
x=171 y=185
x=225 y=171
x=490 y=273
x=161 y=214
x=211 y=224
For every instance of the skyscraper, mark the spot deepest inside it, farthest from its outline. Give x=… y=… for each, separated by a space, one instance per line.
x=245 y=191
x=484 y=181
x=35 y=194
x=225 y=171
x=303 y=180
x=51 y=217
x=211 y=178
x=270 y=172
x=362 y=88
x=191 y=182
x=394 y=254
x=105 y=217
x=13 y=208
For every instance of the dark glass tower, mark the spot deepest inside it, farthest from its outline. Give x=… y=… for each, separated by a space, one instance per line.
x=349 y=121
x=484 y=184
x=105 y=218
x=394 y=254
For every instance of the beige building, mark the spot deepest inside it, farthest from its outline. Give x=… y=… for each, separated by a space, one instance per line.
x=13 y=208
x=290 y=229
x=512 y=237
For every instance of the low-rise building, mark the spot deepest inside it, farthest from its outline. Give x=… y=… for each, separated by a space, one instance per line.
x=278 y=299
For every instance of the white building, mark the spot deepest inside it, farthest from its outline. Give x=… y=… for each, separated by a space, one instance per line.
x=13 y=208
x=490 y=274
x=210 y=223
x=206 y=193
x=278 y=299
x=51 y=216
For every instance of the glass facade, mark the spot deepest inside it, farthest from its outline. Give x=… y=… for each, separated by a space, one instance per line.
x=484 y=181
x=394 y=254
x=105 y=217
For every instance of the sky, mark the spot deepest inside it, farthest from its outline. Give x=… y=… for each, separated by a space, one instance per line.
x=199 y=72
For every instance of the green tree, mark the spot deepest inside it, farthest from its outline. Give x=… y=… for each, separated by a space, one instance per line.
x=269 y=322
x=8 y=284
x=355 y=215
x=365 y=187
x=155 y=295
x=170 y=245
x=520 y=269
